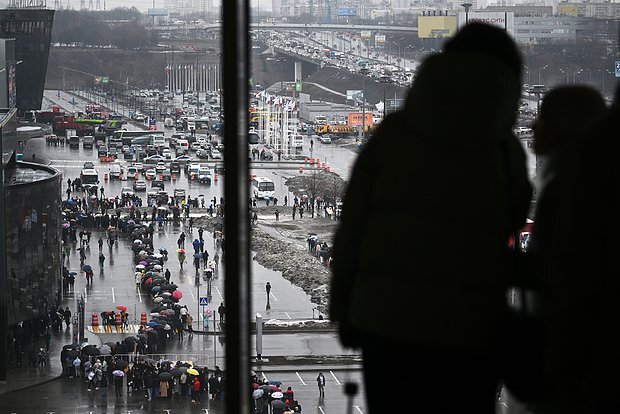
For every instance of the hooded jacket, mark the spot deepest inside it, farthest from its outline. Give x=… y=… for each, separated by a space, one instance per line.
x=432 y=200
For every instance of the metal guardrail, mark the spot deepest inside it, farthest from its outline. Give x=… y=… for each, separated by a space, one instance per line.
x=197 y=359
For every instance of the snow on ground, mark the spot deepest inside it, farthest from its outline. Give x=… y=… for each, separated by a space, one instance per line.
x=281 y=246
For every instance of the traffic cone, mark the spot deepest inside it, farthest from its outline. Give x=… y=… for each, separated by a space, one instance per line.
x=174 y=177
x=161 y=177
x=143 y=319
x=216 y=177
x=117 y=317
x=95 y=323
x=301 y=169
x=312 y=161
x=328 y=169
x=105 y=177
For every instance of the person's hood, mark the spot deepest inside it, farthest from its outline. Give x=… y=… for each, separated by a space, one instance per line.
x=463 y=94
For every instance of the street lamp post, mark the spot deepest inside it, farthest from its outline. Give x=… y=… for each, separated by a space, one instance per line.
x=539 y=70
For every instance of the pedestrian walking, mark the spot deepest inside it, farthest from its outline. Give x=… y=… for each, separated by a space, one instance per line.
x=100 y=242
x=101 y=259
x=67 y=316
x=277 y=213
x=167 y=275
x=196 y=390
x=268 y=290
x=320 y=381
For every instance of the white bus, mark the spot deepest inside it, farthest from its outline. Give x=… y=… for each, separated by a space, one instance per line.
x=263 y=188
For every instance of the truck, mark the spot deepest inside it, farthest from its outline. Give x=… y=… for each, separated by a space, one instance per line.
x=74 y=141
x=337 y=131
x=88 y=141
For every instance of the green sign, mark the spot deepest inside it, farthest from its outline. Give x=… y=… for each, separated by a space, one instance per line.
x=297 y=86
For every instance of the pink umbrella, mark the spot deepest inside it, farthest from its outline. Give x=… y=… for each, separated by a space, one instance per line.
x=142 y=262
x=148 y=281
x=177 y=294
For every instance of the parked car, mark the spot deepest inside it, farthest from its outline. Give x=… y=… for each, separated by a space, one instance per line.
x=150 y=174
x=175 y=167
x=139 y=185
x=183 y=159
x=127 y=191
x=154 y=159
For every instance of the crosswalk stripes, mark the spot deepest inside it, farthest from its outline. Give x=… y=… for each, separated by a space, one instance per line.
x=111 y=329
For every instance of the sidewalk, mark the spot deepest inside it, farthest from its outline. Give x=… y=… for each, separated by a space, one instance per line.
x=25 y=376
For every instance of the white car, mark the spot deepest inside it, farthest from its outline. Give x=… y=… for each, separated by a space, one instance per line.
x=161 y=166
x=150 y=174
x=139 y=185
x=216 y=154
x=325 y=139
x=166 y=153
x=139 y=166
x=127 y=191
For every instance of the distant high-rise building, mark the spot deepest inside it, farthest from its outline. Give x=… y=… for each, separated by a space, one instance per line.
x=32 y=30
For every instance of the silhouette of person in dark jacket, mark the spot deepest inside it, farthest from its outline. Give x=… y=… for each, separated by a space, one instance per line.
x=452 y=145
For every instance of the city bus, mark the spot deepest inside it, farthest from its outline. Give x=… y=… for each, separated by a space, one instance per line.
x=126 y=136
x=263 y=188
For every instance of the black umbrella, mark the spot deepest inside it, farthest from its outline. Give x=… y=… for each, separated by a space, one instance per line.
x=176 y=372
x=157 y=309
x=120 y=364
x=131 y=339
x=165 y=376
x=73 y=353
x=90 y=350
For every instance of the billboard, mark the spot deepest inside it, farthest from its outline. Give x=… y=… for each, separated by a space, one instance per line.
x=504 y=20
x=379 y=40
x=366 y=34
x=346 y=12
x=359 y=118
x=355 y=95
x=432 y=27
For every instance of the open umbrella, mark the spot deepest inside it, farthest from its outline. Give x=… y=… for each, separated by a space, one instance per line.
x=87 y=268
x=158 y=299
x=277 y=394
x=275 y=382
x=90 y=350
x=177 y=294
x=122 y=308
x=192 y=371
x=140 y=266
x=120 y=364
x=180 y=251
x=155 y=289
x=105 y=350
x=256 y=394
x=165 y=376
x=151 y=323
x=175 y=372
x=277 y=404
x=167 y=294
x=157 y=267
x=183 y=368
x=118 y=373
x=73 y=353
x=197 y=255
x=167 y=327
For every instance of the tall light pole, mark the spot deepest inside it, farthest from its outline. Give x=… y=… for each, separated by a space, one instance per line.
x=539 y=70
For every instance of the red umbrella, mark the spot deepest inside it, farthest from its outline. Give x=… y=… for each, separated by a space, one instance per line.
x=122 y=308
x=177 y=294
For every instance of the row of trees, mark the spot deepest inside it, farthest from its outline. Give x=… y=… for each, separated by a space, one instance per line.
x=121 y=28
x=326 y=186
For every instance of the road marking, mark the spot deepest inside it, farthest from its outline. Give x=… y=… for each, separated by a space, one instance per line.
x=113 y=297
x=357 y=407
x=219 y=293
x=139 y=295
x=333 y=375
x=273 y=296
x=300 y=379
x=85 y=295
x=192 y=293
x=287 y=315
x=265 y=377
x=321 y=410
